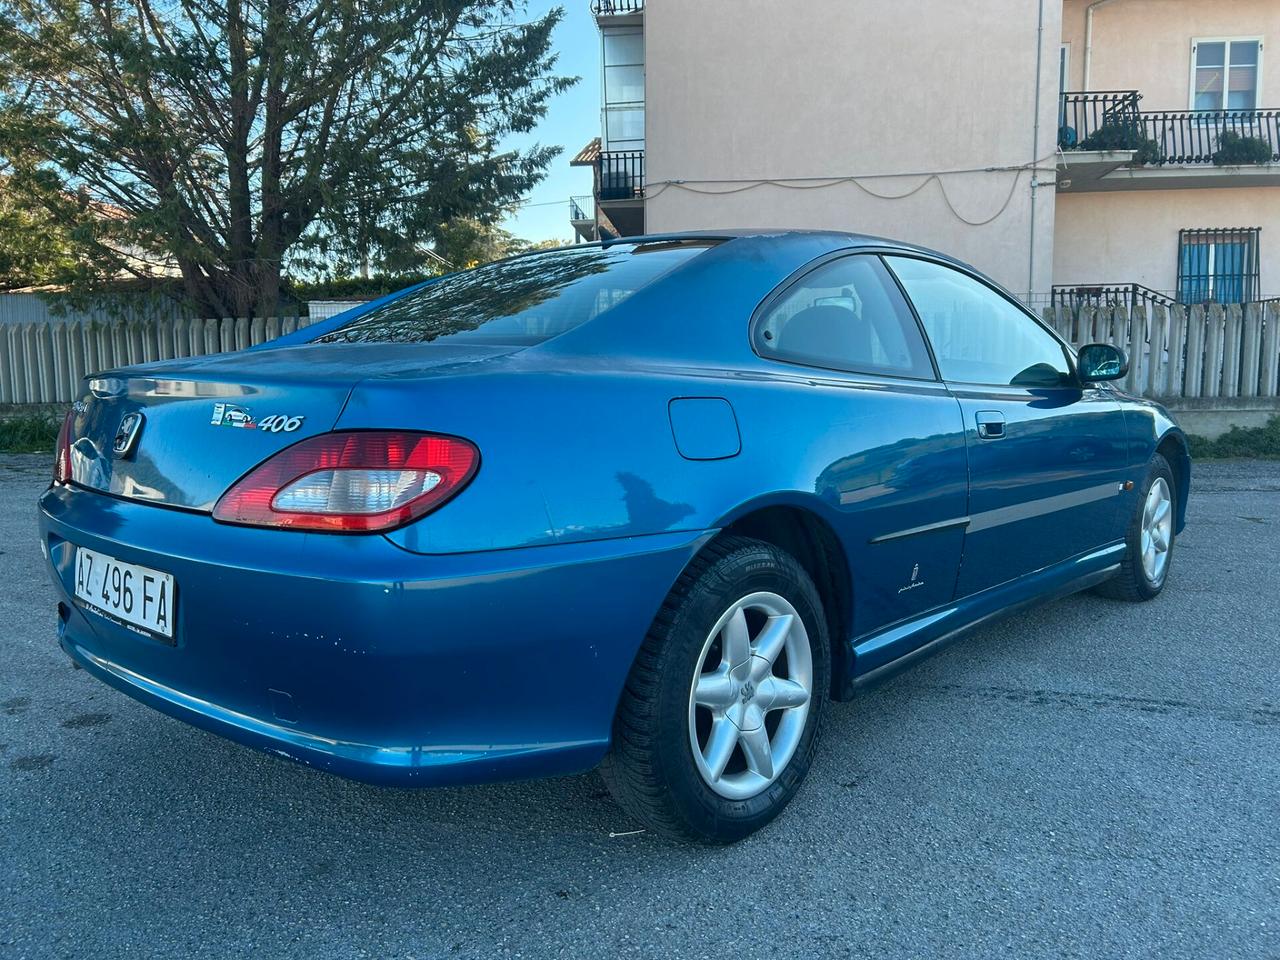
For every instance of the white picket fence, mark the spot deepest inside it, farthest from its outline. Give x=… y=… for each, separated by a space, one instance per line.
x=44 y=362
x=1197 y=351
x=1177 y=352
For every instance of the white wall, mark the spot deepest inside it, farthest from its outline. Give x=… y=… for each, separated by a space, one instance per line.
x=1132 y=236
x=740 y=91
x=1145 y=45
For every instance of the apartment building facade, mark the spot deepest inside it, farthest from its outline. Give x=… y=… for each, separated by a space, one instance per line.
x=1121 y=150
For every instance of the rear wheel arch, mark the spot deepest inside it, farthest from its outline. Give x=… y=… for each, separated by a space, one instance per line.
x=808 y=537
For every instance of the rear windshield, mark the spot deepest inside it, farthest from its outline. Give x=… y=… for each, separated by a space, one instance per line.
x=521 y=301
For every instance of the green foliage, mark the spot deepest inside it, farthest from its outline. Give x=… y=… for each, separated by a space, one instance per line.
x=1235 y=149
x=342 y=288
x=1254 y=442
x=224 y=139
x=467 y=243
x=1124 y=136
x=34 y=249
x=461 y=245
x=29 y=433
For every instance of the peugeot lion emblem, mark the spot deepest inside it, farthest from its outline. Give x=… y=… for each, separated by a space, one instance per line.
x=127 y=436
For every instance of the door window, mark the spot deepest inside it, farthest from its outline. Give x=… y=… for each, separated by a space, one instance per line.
x=977 y=335
x=846 y=315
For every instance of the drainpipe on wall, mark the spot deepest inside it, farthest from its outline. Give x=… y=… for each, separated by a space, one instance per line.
x=1088 y=40
x=1035 y=157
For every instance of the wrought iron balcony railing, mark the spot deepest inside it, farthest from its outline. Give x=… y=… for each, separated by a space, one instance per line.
x=1086 y=120
x=1221 y=137
x=582 y=208
x=621 y=175
x=1109 y=295
x=1111 y=120
x=614 y=8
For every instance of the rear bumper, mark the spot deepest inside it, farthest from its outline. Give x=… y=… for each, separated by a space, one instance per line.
x=355 y=656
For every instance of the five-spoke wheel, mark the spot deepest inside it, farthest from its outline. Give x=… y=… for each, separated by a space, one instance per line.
x=717 y=724
x=1157 y=530
x=750 y=695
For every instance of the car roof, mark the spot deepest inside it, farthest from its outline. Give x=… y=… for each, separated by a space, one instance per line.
x=836 y=240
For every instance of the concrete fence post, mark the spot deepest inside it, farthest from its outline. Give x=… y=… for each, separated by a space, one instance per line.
x=1213 y=320
x=209 y=343
x=1269 y=375
x=1175 y=365
x=1231 y=334
x=1250 y=345
x=30 y=363
x=61 y=375
x=76 y=368
x=6 y=368
x=1135 y=349
x=1195 y=351
x=1157 y=344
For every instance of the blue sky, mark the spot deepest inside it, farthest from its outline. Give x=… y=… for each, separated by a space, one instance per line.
x=573 y=119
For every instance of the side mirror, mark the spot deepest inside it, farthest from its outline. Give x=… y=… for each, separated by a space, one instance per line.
x=1101 y=361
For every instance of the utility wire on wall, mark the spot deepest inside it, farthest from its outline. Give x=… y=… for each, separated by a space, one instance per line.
x=741 y=185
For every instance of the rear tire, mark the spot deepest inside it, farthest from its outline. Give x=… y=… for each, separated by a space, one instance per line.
x=720 y=714
x=1149 y=538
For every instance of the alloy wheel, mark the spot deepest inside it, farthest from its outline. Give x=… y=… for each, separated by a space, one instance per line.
x=1157 y=530
x=750 y=695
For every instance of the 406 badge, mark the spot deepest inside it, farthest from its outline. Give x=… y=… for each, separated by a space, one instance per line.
x=233 y=415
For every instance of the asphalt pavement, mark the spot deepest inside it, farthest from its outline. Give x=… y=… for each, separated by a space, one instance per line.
x=1089 y=779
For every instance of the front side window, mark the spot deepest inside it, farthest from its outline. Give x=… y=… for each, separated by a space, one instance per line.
x=1225 y=74
x=1218 y=266
x=977 y=335
x=521 y=301
x=846 y=315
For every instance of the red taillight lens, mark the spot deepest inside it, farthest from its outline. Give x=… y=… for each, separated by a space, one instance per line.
x=62 y=458
x=360 y=481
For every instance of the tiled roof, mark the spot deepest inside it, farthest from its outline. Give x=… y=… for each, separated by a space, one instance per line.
x=588 y=155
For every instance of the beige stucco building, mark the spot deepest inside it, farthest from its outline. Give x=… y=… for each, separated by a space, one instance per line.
x=1067 y=147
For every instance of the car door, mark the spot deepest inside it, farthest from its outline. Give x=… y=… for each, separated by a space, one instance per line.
x=884 y=437
x=1047 y=455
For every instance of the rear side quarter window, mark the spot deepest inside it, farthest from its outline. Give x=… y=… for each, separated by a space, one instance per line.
x=846 y=314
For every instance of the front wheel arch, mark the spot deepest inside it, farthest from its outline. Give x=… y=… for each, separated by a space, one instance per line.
x=1173 y=447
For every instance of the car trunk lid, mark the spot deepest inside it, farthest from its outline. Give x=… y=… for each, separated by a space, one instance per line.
x=205 y=422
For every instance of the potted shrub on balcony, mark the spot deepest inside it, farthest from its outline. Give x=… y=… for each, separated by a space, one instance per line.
x=1236 y=149
x=1124 y=136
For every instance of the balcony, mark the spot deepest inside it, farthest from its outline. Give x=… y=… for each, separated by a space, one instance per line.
x=1087 y=121
x=1108 y=143
x=581 y=209
x=582 y=217
x=620 y=175
x=617 y=8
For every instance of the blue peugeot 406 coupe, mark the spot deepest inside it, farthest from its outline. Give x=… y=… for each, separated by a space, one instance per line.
x=648 y=504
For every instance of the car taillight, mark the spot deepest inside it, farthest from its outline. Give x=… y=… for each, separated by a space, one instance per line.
x=62 y=458
x=358 y=481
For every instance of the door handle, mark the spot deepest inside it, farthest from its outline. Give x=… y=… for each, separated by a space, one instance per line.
x=990 y=424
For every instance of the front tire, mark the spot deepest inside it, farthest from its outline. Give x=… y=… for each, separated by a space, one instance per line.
x=720 y=715
x=1149 y=538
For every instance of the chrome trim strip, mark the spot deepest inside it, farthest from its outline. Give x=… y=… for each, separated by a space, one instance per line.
x=1012 y=513
x=926 y=528
x=1038 y=508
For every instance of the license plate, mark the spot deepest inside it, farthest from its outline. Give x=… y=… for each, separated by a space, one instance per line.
x=130 y=594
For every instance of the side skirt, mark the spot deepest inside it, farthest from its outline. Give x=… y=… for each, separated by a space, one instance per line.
x=883 y=654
